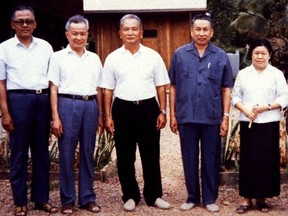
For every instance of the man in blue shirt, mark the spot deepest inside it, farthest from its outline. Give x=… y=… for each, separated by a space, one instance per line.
x=201 y=78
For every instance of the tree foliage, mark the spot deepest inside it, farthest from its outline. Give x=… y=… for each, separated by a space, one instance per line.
x=223 y=12
x=240 y=21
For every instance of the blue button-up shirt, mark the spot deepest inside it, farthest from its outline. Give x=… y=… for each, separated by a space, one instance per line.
x=199 y=82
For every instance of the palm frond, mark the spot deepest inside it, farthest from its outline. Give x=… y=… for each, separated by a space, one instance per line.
x=250 y=23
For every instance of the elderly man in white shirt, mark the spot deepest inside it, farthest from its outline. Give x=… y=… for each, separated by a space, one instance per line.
x=136 y=74
x=76 y=113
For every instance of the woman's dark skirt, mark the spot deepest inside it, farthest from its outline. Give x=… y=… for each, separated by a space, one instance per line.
x=259 y=173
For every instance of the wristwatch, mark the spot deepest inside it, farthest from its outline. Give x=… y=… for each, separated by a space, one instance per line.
x=226 y=114
x=164 y=112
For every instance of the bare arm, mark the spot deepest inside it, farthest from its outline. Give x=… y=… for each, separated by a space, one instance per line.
x=173 y=119
x=226 y=101
x=161 y=93
x=100 y=107
x=109 y=123
x=57 y=129
x=7 y=122
x=256 y=109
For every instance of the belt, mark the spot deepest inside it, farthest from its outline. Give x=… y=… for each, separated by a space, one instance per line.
x=29 y=91
x=138 y=102
x=79 y=97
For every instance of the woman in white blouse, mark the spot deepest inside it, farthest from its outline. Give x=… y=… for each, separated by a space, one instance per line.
x=260 y=92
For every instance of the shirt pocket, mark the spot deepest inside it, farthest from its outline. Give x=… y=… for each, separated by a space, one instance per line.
x=184 y=73
x=214 y=80
x=215 y=74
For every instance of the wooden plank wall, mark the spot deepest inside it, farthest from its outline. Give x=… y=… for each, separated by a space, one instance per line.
x=173 y=31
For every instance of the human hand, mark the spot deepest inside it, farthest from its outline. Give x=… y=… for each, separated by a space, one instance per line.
x=224 y=127
x=7 y=122
x=109 y=125
x=161 y=121
x=57 y=128
x=174 y=125
x=252 y=114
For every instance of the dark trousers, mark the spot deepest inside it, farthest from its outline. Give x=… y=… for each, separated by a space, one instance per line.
x=31 y=119
x=259 y=172
x=79 y=120
x=136 y=124
x=207 y=136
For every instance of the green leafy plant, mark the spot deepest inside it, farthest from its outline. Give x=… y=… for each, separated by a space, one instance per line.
x=102 y=155
x=231 y=153
x=4 y=159
x=103 y=151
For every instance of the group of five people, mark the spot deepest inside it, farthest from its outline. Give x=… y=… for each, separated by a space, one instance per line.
x=128 y=97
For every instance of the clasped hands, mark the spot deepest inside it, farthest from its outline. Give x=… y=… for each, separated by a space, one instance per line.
x=253 y=113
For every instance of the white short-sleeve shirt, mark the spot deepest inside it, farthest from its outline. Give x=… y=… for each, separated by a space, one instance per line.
x=73 y=74
x=252 y=88
x=22 y=67
x=134 y=77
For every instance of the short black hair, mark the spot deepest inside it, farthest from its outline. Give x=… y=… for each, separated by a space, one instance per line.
x=206 y=16
x=260 y=42
x=21 y=8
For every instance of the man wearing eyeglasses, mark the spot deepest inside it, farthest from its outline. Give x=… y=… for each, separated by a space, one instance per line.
x=25 y=108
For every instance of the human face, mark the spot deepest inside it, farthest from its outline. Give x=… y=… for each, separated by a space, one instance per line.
x=24 y=24
x=201 y=32
x=131 y=32
x=77 y=36
x=260 y=57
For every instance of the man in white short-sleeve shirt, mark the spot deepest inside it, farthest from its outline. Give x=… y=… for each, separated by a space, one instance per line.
x=136 y=75
x=25 y=109
x=76 y=104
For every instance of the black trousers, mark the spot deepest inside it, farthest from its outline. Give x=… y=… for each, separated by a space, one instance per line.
x=259 y=173
x=136 y=124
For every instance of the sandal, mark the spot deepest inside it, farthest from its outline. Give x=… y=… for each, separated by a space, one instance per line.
x=20 y=211
x=242 y=209
x=67 y=209
x=263 y=207
x=46 y=207
x=92 y=207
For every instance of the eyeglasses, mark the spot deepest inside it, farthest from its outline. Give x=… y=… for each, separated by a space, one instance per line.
x=21 y=22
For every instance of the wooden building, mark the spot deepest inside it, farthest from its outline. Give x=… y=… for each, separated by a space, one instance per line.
x=166 y=23
x=51 y=16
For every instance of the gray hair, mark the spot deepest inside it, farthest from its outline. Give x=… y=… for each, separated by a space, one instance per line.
x=76 y=19
x=130 y=16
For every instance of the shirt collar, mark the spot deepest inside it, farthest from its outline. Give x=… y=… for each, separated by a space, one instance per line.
x=210 y=48
x=69 y=50
x=123 y=50
x=18 y=43
x=268 y=68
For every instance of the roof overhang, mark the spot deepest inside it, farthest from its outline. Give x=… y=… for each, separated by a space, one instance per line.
x=119 y=6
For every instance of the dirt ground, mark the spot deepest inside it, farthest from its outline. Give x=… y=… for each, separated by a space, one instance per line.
x=109 y=193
